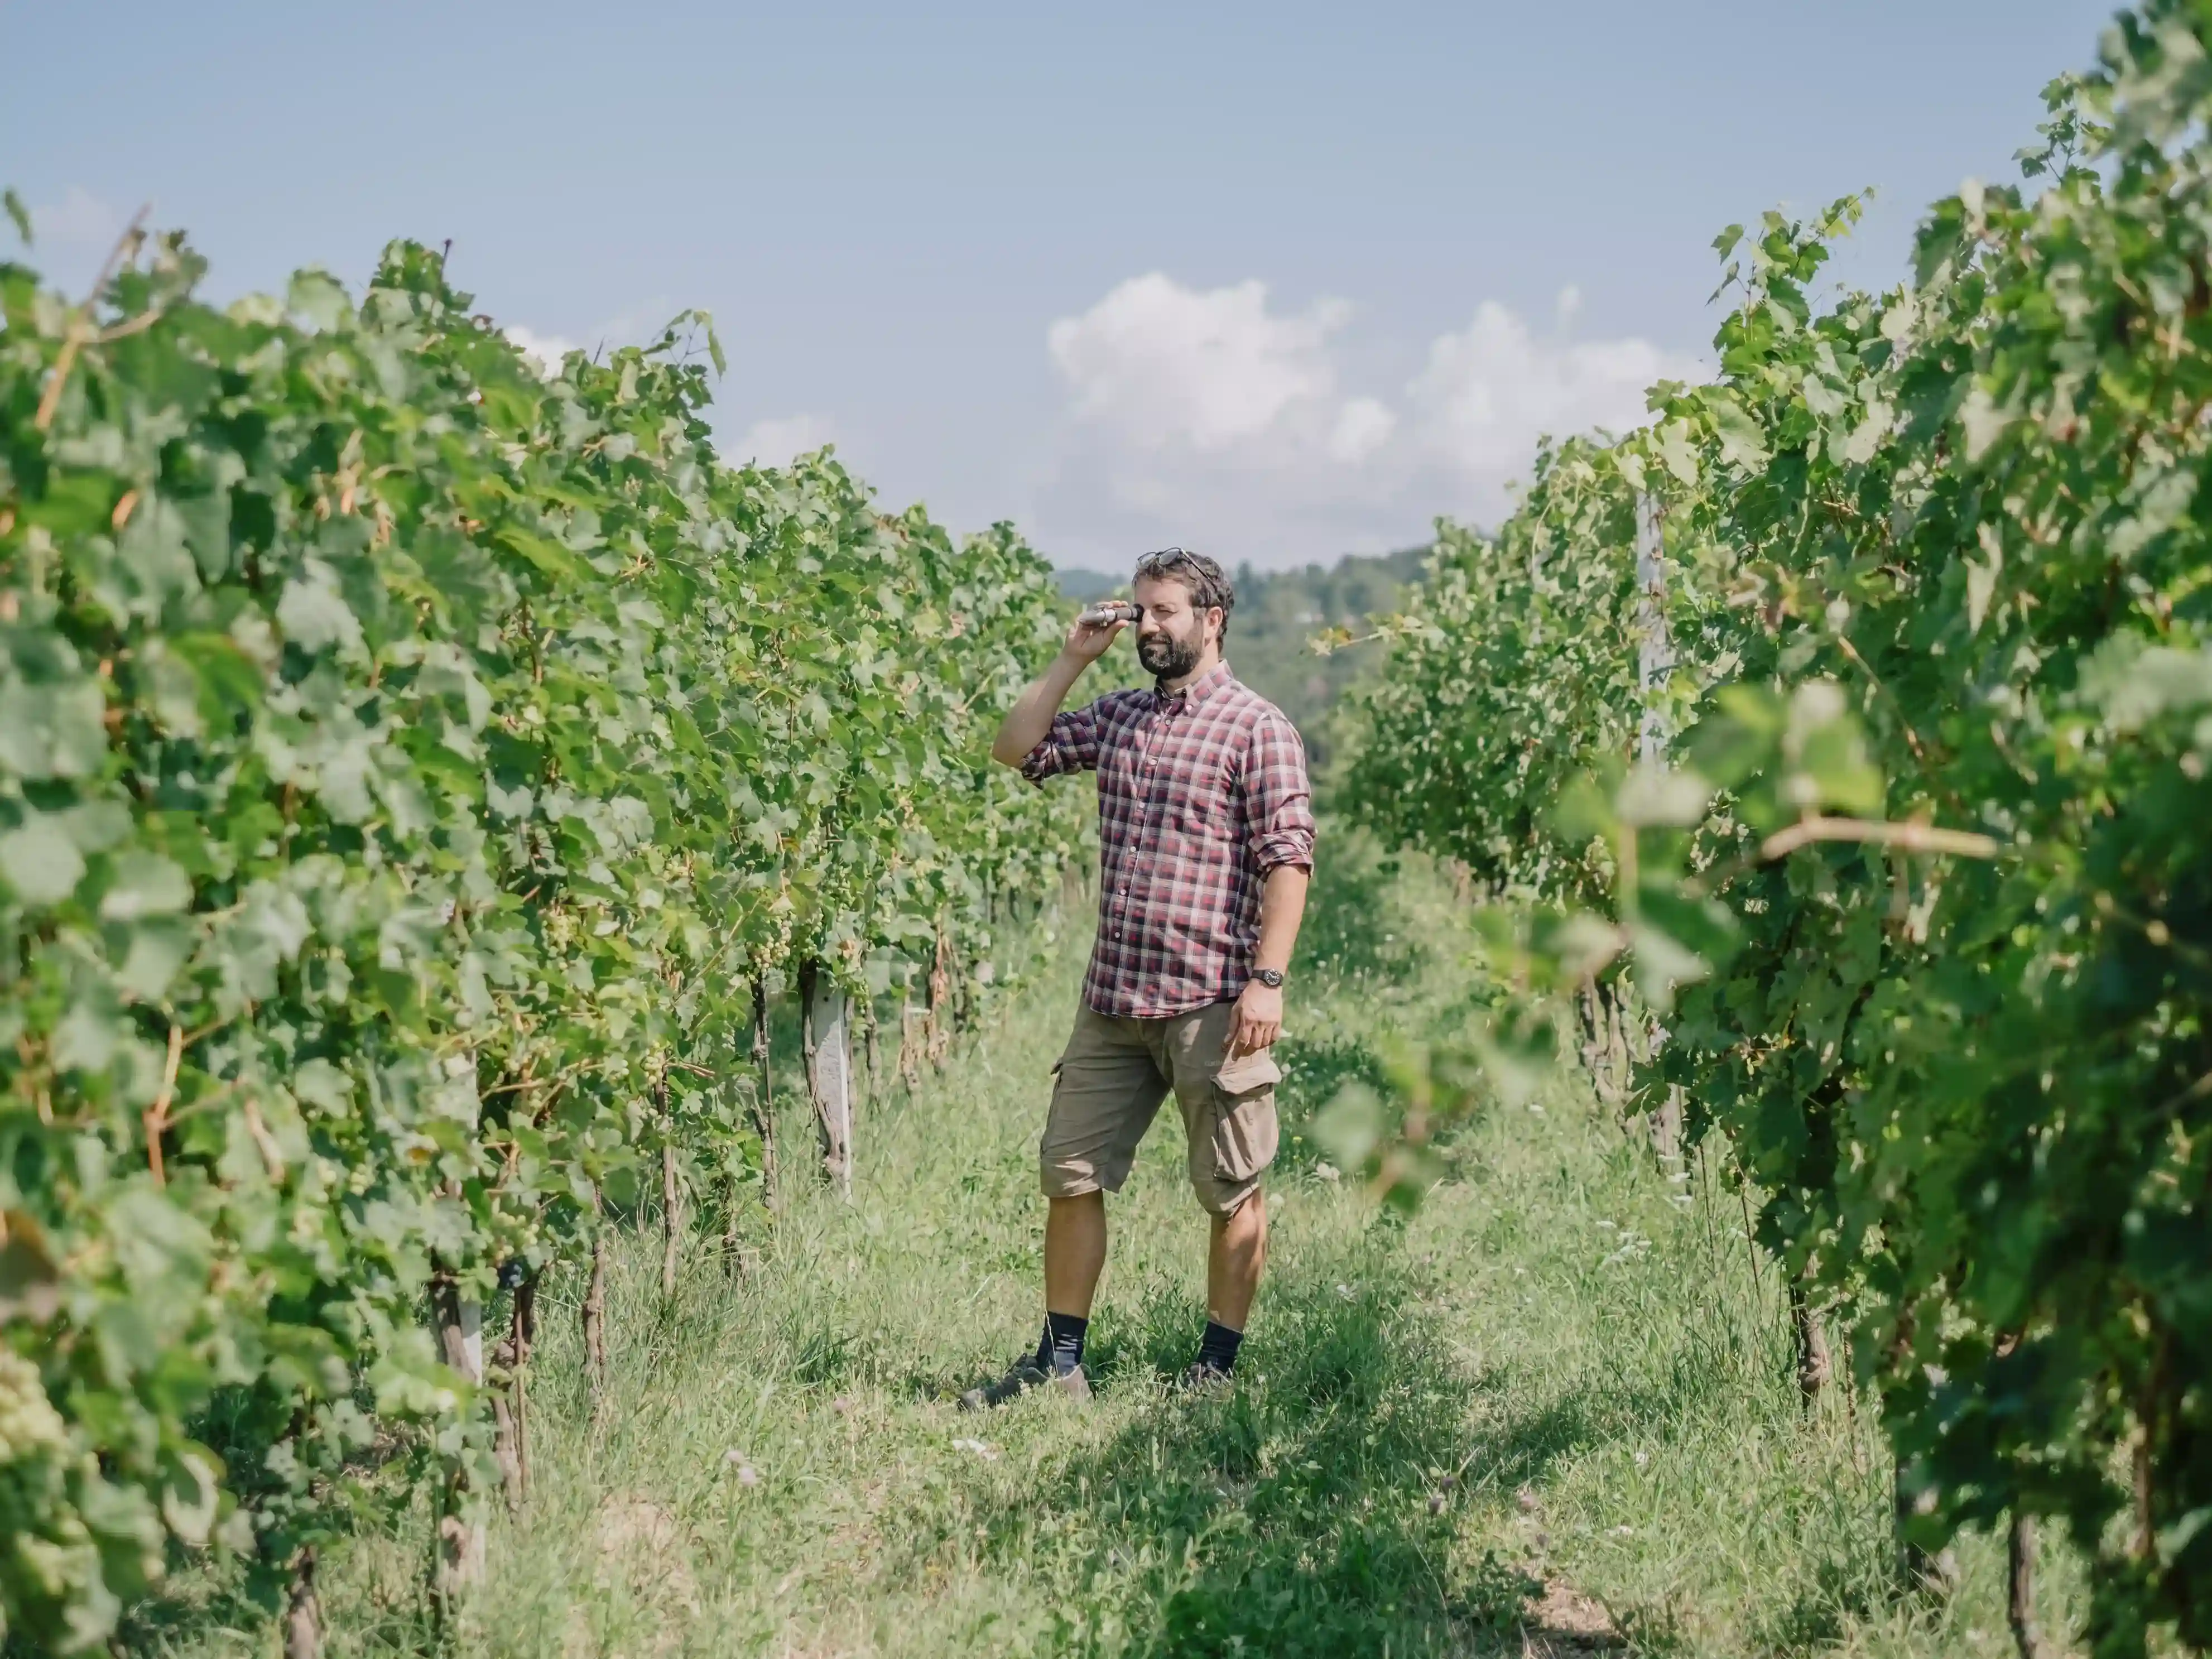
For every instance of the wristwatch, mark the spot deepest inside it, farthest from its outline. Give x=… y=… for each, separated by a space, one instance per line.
x=1270 y=977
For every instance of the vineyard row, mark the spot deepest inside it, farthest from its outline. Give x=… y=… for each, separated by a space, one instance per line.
x=415 y=771
x=1861 y=825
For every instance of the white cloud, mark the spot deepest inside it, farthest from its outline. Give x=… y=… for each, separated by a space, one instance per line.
x=1490 y=390
x=1162 y=365
x=79 y=220
x=545 y=351
x=1363 y=426
x=1209 y=416
x=776 y=441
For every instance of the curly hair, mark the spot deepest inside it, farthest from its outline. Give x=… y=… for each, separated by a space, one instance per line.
x=1209 y=584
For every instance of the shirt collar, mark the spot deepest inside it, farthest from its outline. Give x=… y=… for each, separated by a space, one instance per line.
x=1197 y=691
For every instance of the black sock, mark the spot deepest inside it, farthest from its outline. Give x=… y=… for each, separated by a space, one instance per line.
x=1060 y=1350
x=1217 y=1349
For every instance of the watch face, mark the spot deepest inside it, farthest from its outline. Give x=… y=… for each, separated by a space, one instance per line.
x=1269 y=977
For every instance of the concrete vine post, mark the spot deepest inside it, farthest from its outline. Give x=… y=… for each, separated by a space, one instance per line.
x=1655 y=666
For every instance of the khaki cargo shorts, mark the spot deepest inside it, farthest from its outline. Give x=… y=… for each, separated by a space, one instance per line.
x=1110 y=1084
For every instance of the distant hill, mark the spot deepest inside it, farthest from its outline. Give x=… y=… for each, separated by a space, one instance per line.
x=1277 y=612
x=1086 y=584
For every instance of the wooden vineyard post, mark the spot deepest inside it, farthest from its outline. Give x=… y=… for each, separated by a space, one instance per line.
x=2020 y=1575
x=910 y=1053
x=672 y=1194
x=1814 y=1366
x=732 y=1239
x=460 y=1545
x=765 y=1101
x=940 y=1012
x=595 y=1322
x=1655 y=666
x=824 y=1013
x=511 y=1404
x=868 y=1036
x=1920 y=1571
x=303 y=1610
x=964 y=996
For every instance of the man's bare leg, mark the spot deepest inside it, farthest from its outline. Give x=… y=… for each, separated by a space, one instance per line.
x=1233 y=1260
x=1074 y=1256
x=1075 y=1253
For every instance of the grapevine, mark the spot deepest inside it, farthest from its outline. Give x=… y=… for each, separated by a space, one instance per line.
x=412 y=766
x=1920 y=900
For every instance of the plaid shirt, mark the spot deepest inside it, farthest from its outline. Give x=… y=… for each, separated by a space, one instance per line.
x=1200 y=794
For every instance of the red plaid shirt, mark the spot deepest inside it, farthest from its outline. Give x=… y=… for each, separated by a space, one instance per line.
x=1200 y=794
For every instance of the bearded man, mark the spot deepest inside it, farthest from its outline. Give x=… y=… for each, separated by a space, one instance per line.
x=1206 y=847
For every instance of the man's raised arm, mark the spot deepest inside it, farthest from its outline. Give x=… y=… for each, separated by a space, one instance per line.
x=1029 y=722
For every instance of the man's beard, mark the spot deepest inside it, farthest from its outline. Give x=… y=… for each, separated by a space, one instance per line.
x=1166 y=657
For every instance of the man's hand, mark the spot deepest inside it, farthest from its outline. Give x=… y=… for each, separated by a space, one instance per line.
x=1029 y=722
x=1258 y=1020
x=1087 y=641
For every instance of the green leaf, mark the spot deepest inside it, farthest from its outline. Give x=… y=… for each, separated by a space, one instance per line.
x=144 y=884
x=39 y=860
x=1742 y=442
x=52 y=731
x=318 y=299
x=314 y=615
x=1350 y=1127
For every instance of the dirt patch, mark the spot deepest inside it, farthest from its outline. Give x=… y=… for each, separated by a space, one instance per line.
x=1566 y=1621
x=640 y=1548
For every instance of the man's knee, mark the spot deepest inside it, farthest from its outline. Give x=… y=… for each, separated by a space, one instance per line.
x=1224 y=1201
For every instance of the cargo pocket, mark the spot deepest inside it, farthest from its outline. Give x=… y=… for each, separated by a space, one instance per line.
x=1244 y=1127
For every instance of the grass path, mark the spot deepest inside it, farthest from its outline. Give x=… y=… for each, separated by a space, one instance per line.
x=1553 y=1413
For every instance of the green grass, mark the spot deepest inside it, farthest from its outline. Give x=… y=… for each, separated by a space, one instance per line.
x=1554 y=1407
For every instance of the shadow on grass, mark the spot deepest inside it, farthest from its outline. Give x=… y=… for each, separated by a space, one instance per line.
x=1304 y=1511
x=1840 y=1595
x=1308 y=1511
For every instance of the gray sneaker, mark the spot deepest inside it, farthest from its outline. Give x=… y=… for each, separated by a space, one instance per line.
x=1202 y=1378
x=1026 y=1374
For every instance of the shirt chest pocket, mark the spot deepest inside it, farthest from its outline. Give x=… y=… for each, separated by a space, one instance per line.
x=1204 y=805
x=1122 y=772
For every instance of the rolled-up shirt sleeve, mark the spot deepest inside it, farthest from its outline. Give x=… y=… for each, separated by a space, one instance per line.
x=1072 y=744
x=1277 y=800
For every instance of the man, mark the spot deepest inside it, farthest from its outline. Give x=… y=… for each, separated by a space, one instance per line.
x=1206 y=844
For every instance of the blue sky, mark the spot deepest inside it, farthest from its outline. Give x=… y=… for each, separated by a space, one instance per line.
x=1277 y=281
